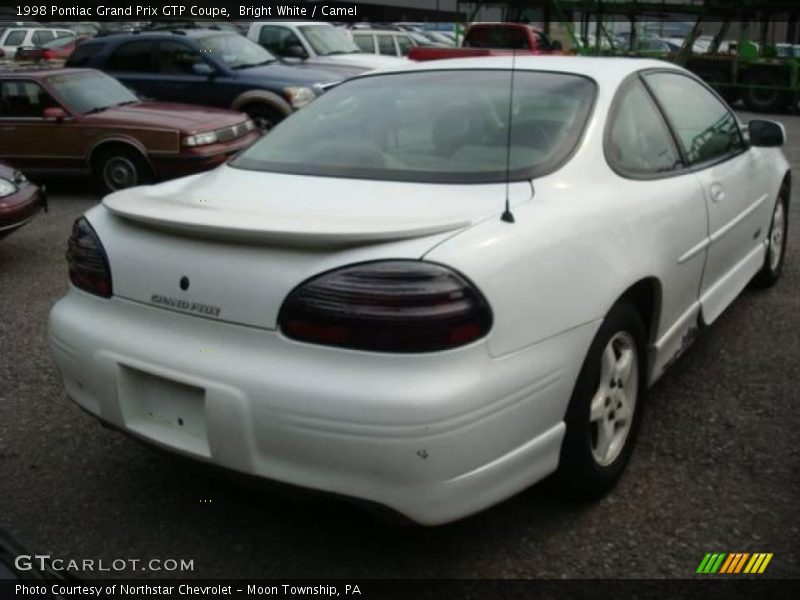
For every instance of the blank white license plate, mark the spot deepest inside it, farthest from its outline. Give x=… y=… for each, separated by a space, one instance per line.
x=167 y=411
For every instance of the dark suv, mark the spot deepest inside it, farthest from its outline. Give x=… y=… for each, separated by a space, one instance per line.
x=208 y=67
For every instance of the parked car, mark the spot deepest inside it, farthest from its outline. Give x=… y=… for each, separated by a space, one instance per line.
x=316 y=43
x=206 y=67
x=83 y=121
x=425 y=294
x=14 y=37
x=54 y=53
x=390 y=43
x=486 y=39
x=20 y=200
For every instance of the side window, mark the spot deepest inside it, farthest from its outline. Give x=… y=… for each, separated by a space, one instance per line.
x=42 y=36
x=133 y=56
x=404 y=44
x=638 y=140
x=277 y=39
x=706 y=127
x=177 y=58
x=15 y=38
x=365 y=42
x=386 y=45
x=23 y=100
x=62 y=33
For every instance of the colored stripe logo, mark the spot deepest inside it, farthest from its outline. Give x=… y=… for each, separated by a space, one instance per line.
x=734 y=563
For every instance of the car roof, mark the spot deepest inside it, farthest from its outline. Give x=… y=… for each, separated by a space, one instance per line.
x=604 y=70
x=178 y=33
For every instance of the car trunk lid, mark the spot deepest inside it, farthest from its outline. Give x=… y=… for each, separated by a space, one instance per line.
x=231 y=244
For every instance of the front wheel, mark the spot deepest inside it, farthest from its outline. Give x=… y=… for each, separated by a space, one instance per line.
x=604 y=411
x=776 y=244
x=263 y=116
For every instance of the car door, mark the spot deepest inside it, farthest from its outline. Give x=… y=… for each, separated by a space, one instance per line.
x=732 y=180
x=27 y=140
x=133 y=63
x=640 y=148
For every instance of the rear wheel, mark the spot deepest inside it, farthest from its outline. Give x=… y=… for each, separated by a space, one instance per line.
x=776 y=250
x=120 y=167
x=603 y=414
x=762 y=93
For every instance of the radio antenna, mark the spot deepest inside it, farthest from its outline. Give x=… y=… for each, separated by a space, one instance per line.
x=507 y=215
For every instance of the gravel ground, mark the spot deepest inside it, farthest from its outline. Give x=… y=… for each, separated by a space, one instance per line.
x=716 y=467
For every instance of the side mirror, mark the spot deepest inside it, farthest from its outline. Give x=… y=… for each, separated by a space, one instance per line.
x=767 y=134
x=203 y=69
x=55 y=113
x=556 y=45
x=296 y=51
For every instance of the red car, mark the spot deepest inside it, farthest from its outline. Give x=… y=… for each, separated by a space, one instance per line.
x=54 y=52
x=84 y=121
x=20 y=200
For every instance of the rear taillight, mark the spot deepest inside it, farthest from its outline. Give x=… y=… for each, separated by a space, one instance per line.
x=86 y=257
x=387 y=306
x=48 y=55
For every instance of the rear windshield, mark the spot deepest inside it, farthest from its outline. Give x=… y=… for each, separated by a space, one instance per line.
x=432 y=126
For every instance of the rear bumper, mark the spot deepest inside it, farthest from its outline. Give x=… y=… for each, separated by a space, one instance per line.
x=201 y=158
x=434 y=437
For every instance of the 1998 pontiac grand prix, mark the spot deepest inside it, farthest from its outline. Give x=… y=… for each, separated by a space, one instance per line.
x=425 y=290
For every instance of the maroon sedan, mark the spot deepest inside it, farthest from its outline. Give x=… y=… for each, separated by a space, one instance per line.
x=83 y=121
x=20 y=200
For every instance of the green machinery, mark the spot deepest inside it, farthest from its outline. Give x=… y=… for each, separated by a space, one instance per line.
x=740 y=52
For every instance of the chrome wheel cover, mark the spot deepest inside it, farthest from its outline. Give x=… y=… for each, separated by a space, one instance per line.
x=119 y=173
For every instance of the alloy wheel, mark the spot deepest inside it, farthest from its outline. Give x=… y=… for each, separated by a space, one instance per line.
x=613 y=405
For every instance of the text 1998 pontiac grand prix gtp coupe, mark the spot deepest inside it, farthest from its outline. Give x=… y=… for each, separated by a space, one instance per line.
x=349 y=306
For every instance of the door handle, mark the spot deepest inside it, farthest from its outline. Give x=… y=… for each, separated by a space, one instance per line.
x=717 y=193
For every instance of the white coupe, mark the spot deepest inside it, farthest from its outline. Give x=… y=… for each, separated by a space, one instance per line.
x=433 y=286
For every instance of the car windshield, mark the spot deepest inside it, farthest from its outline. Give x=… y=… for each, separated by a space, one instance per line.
x=435 y=126
x=90 y=91
x=329 y=40
x=234 y=50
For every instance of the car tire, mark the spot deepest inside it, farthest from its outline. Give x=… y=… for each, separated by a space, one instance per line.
x=265 y=117
x=776 y=249
x=603 y=416
x=120 y=167
x=759 y=99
